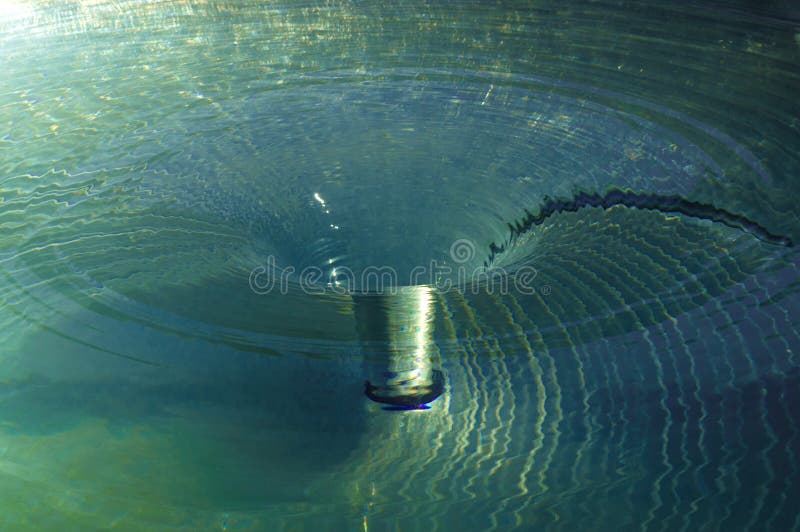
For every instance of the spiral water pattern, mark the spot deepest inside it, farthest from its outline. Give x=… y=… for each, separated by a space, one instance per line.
x=191 y=192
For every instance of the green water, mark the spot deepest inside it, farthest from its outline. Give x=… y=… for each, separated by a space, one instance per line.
x=155 y=154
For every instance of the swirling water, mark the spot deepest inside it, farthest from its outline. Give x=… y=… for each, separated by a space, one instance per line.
x=639 y=370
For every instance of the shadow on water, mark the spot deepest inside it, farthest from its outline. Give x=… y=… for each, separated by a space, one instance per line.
x=220 y=425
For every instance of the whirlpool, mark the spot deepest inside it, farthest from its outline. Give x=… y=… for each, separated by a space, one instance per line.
x=399 y=265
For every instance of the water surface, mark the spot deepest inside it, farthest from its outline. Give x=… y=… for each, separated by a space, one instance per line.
x=640 y=371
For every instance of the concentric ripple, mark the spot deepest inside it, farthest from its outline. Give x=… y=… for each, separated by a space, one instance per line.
x=620 y=178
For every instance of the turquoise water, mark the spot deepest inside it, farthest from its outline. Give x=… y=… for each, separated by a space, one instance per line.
x=618 y=368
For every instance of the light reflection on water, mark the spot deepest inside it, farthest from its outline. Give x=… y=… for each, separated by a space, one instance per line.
x=154 y=153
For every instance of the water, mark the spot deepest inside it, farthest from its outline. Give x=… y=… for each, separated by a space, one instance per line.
x=172 y=172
